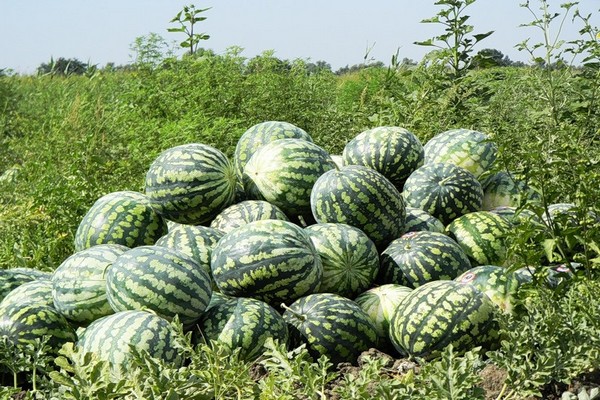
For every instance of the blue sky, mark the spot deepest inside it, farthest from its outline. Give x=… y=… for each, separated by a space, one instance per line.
x=336 y=31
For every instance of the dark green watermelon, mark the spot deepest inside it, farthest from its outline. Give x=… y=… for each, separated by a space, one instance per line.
x=360 y=197
x=331 y=325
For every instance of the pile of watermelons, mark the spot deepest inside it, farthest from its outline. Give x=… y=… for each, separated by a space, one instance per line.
x=392 y=245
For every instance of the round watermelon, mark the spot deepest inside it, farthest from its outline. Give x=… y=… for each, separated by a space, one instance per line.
x=379 y=303
x=126 y=218
x=419 y=220
x=244 y=212
x=420 y=257
x=244 y=324
x=38 y=291
x=350 y=259
x=261 y=134
x=360 y=197
x=12 y=278
x=443 y=190
x=469 y=149
x=482 y=235
x=392 y=151
x=79 y=285
x=113 y=337
x=283 y=173
x=270 y=260
x=440 y=313
x=191 y=183
x=331 y=325
x=503 y=189
x=159 y=279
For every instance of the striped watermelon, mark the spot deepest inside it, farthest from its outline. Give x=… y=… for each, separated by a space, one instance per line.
x=191 y=183
x=498 y=283
x=440 y=313
x=350 y=259
x=503 y=189
x=14 y=277
x=246 y=211
x=79 y=286
x=261 y=134
x=392 y=151
x=270 y=260
x=360 y=197
x=23 y=323
x=244 y=324
x=112 y=337
x=197 y=242
x=379 y=303
x=517 y=216
x=159 y=279
x=482 y=236
x=419 y=220
x=420 y=257
x=283 y=173
x=469 y=149
x=443 y=190
x=38 y=291
x=331 y=325
x=124 y=218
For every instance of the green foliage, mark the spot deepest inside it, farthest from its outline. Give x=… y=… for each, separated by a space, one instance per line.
x=150 y=50
x=187 y=19
x=64 y=66
x=455 y=45
x=553 y=340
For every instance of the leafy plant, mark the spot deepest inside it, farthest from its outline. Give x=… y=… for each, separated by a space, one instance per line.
x=457 y=43
x=187 y=20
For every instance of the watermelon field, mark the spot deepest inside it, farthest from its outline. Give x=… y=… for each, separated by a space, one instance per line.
x=224 y=227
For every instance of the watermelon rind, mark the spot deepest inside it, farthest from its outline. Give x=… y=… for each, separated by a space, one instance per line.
x=244 y=212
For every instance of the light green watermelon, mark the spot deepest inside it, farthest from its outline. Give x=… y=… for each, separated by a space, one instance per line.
x=503 y=189
x=466 y=148
x=283 y=173
x=244 y=212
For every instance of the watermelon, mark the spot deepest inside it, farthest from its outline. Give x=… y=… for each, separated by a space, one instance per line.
x=78 y=284
x=361 y=197
x=469 y=149
x=420 y=257
x=126 y=218
x=244 y=324
x=261 y=134
x=443 y=190
x=392 y=151
x=379 y=303
x=482 y=235
x=197 y=242
x=498 y=283
x=113 y=337
x=241 y=213
x=38 y=291
x=331 y=325
x=419 y=220
x=14 y=277
x=159 y=279
x=23 y=323
x=440 y=313
x=191 y=183
x=350 y=259
x=270 y=260
x=503 y=189
x=517 y=216
x=283 y=173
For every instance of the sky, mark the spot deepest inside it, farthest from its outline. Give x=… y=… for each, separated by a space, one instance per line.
x=340 y=32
